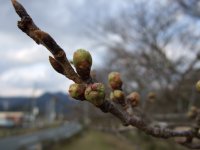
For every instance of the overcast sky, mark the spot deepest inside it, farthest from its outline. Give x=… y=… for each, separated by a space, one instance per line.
x=24 y=66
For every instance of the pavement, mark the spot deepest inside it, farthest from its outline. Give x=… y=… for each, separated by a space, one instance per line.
x=65 y=131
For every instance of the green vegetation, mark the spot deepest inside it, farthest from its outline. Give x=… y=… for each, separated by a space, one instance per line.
x=97 y=140
x=6 y=132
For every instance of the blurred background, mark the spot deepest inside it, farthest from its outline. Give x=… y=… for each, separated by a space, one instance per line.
x=152 y=43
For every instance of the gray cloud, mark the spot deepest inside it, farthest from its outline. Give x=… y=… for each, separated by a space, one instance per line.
x=23 y=63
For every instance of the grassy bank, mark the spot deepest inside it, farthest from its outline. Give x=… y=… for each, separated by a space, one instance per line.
x=98 y=140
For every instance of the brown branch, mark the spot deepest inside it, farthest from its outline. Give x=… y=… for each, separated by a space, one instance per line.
x=164 y=133
x=141 y=125
x=40 y=37
x=191 y=145
x=61 y=64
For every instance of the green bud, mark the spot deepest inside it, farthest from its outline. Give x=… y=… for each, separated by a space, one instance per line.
x=115 y=80
x=95 y=93
x=77 y=91
x=133 y=98
x=82 y=61
x=152 y=97
x=198 y=86
x=192 y=113
x=117 y=96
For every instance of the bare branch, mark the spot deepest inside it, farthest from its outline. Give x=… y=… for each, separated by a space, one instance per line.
x=40 y=37
x=141 y=125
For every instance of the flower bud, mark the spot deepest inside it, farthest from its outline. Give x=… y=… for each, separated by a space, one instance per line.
x=82 y=61
x=77 y=91
x=133 y=98
x=117 y=96
x=192 y=113
x=95 y=93
x=57 y=67
x=151 y=96
x=198 y=86
x=115 y=80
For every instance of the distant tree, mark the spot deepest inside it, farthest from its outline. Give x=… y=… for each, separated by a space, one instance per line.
x=152 y=41
x=190 y=7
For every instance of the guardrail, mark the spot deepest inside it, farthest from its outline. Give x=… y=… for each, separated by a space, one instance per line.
x=65 y=131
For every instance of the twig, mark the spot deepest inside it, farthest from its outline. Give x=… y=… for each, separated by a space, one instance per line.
x=40 y=37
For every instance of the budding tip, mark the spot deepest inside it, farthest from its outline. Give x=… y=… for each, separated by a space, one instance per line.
x=117 y=96
x=151 y=97
x=95 y=93
x=133 y=98
x=82 y=58
x=82 y=61
x=114 y=80
x=77 y=91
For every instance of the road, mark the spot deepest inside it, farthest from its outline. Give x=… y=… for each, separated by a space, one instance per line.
x=63 y=132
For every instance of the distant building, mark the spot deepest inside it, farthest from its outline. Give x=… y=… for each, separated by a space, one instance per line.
x=11 y=119
x=51 y=110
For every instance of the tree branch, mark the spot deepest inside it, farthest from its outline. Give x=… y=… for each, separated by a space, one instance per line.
x=40 y=37
x=61 y=64
x=142 y=125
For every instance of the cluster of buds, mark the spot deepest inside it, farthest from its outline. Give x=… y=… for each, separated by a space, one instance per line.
x=115 y=82
x=133 y=99
x=77 y=91
x=94 y=93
